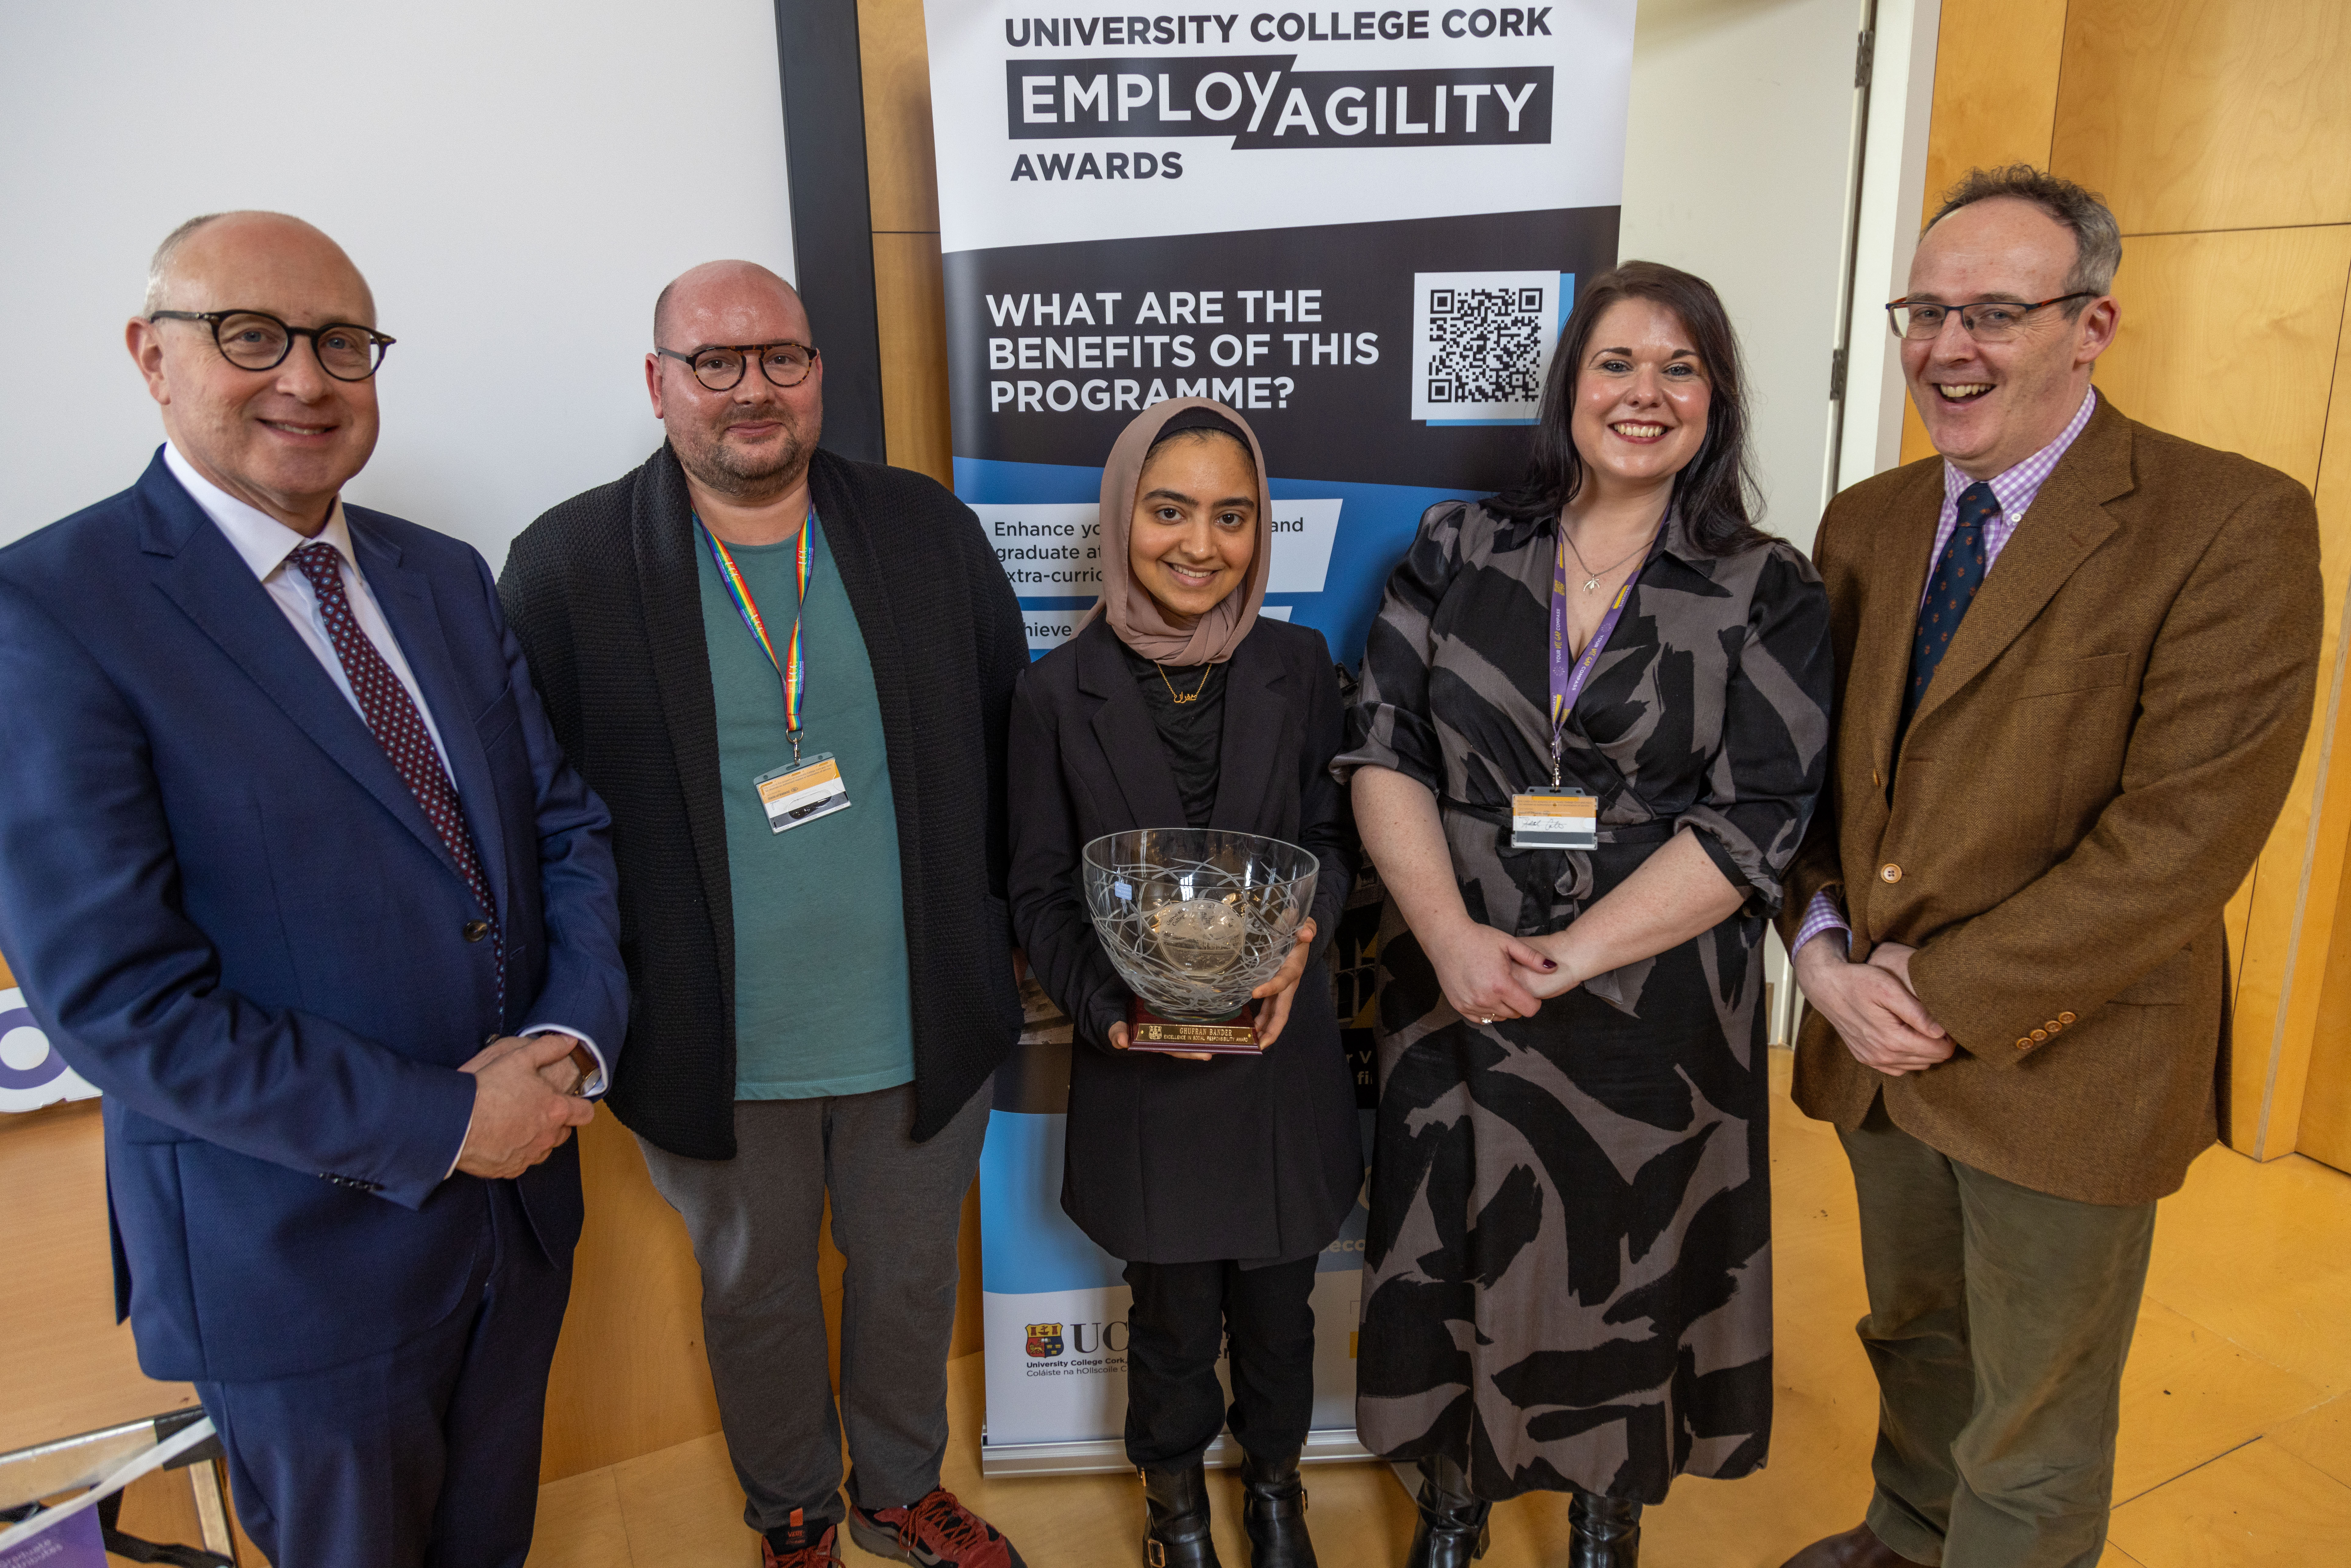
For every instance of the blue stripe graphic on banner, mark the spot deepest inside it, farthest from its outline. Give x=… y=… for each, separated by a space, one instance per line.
x=1027 y=1246
x=1376 y=523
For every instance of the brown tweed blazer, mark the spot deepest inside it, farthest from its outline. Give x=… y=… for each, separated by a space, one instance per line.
x=2102 y=753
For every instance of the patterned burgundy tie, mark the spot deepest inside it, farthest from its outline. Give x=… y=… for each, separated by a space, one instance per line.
x=400 y=730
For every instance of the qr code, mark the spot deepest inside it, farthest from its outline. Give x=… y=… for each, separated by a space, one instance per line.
x=1482 y=342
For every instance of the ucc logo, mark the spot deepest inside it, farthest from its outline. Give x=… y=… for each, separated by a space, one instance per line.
x=1045 y=1340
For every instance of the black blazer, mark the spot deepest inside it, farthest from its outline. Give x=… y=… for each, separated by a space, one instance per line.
x=1250 y=1157
x=603 y=595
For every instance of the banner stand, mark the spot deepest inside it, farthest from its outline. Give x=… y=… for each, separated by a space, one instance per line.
x=1363 y=229
x=1108 y=1454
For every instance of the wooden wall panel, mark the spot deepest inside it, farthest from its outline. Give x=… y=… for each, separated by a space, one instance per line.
x=1996 y=65
x=2321 y=1125
x=2209 y=114
x=1996 y=70
x=71 y=1368
x=895 y=63
x=909 y=291
x=2325 y=1128
x=630 y=1374
x=910 y=300
x=2295 y=916
x=2230 y=338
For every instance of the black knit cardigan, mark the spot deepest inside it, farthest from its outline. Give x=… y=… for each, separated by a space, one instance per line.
x=603 y=591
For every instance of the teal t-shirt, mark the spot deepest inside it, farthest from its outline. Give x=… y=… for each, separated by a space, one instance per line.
x=821 y=979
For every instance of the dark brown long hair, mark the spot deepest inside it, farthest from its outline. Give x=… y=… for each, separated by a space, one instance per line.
x=1715 y=494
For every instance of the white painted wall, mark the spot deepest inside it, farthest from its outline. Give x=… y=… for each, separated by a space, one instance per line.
x=1893 y=199
x=517 y=179
x=1740 y=167
x=1737 y=167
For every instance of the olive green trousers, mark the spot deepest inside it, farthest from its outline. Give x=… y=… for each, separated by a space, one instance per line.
x=1999 y=1321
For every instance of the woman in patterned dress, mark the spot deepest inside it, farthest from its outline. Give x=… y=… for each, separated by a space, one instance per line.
x=1567 y=1284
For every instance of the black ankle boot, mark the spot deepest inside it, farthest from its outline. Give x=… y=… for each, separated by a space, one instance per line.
x=1177 y=1497
x=1452 y=1530
x=1273 y=1511
x=1603 y=1532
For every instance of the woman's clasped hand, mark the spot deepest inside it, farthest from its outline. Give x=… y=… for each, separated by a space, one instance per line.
x=1490 y=975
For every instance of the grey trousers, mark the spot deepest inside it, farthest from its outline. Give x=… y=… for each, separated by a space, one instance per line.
x=897 y=1205
x=1999 y=1321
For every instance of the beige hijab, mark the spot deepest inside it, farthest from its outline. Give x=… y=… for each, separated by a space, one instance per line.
x=1134 y=615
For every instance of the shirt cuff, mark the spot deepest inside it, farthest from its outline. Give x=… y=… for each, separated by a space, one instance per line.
x=461 y=1144
x=1820 y=916
x=589 y=1087
x=595 y=1083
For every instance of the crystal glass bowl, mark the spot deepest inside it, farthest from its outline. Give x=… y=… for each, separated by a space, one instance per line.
x=1196 y=918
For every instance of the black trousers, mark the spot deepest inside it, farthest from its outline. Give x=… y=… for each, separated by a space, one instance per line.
x=1182 y=1313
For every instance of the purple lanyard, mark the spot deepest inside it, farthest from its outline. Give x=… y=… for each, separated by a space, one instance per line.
x=1569 y=679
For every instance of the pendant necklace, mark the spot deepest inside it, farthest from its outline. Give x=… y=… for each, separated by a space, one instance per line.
x=1180 y=698
x=1591 y=578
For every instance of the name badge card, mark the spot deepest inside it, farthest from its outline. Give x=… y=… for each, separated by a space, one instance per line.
x=802 y=792
x=1554 y=819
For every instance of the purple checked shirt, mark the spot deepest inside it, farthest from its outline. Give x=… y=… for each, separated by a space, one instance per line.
x=2015 y=489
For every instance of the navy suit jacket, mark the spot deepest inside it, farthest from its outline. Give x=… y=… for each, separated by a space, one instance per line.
x=230 y=916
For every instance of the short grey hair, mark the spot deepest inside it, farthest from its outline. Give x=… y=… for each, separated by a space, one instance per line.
x=2097 y=238
x=159 y=267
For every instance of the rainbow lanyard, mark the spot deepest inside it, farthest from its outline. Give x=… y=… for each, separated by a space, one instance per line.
x=790 y=668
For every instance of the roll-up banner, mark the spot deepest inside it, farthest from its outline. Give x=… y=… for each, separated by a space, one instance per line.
x=1363 y=229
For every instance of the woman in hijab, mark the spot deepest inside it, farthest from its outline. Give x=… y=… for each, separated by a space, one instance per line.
x=1218 y=1179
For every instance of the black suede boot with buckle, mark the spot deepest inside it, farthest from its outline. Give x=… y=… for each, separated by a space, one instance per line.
x=1603 y=1532
x=1176 y=1536
x=1273 y=1511
x=1452 y=1531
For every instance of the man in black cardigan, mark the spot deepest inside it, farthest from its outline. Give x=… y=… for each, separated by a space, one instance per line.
x=788 y=675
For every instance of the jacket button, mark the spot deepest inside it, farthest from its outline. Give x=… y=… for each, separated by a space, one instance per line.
x=1889 y=872
x=475 y=930
x=2064 y=1018
x=2024 y=1045
x=2052 y=1025
x=2039 y=1036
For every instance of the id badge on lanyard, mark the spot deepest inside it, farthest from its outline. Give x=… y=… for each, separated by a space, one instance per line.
x=1561 y=818
x=808 y=787
x=802 y=792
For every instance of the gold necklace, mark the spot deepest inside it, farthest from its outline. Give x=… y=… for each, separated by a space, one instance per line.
x=1592 y=579
x=1179 y=698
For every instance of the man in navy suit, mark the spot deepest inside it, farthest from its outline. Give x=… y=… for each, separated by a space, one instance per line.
x=292 y=868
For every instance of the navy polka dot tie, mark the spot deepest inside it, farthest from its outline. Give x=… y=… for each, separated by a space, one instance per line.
x=1958 y=575
x=400 y=730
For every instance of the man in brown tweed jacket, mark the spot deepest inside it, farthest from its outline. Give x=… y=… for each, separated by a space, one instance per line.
x=2075 y=659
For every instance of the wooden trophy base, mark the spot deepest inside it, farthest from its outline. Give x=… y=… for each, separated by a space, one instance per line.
x=1235 y=1036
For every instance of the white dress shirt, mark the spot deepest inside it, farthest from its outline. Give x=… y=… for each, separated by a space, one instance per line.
x=264 y=544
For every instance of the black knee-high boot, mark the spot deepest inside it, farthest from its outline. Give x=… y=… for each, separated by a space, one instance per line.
x=1603 y=1532
x=1273 y=1511
x=1176 y=1499
x=1452 y=1531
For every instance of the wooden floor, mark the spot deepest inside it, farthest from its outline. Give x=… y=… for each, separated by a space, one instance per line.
x=2235 y=1450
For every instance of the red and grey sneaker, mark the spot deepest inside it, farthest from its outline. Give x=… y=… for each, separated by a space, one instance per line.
x=935 y=1532
x=797 y=1551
